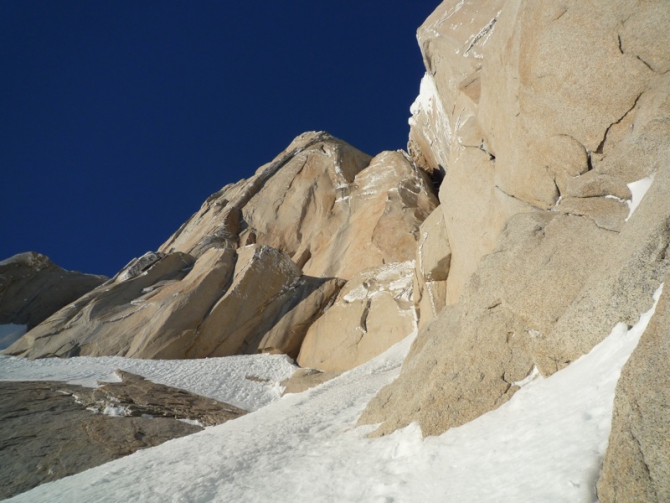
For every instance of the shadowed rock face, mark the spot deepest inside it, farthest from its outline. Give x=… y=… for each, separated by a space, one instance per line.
x=32 y=288
x=637 y=462
x=50 y=430
x=257 y=265
x=545 y=254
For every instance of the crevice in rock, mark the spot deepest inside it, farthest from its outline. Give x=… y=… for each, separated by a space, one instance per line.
x=601 y=146
x=518 y=199
x=589 y=161
x=636 y=56
x=364 y=316
x=565 y=9
x=481 y=34
x=641 y=457
x=483 y=148
x=572 y=214
x=645 y=63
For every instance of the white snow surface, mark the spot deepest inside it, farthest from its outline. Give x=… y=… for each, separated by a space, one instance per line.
x=10 y=333
x=546 y=444
x=224 y=379
x=638 y=189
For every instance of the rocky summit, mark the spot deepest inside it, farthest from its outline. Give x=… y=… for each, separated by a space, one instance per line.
x=545 y=127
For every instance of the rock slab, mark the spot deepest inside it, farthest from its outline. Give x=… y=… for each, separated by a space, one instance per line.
x=637 y=463
x=49 y=430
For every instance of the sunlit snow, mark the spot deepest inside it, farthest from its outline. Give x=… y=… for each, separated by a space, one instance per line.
x=638 y=189
x=247 y=381
x=546 y=444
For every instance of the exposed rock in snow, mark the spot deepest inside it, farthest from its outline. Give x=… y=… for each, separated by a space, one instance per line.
x=69 y=429
x=178 y=308
x=546 y=444
x=549 y=124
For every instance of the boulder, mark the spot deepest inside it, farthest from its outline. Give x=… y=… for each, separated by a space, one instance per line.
x=637 y=464
x=32 y=288
x=372 y=312
x=245 y=311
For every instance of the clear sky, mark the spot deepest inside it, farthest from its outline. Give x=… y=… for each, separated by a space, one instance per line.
x=119 y=118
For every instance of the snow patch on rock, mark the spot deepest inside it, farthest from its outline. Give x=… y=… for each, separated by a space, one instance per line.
x=638 y=189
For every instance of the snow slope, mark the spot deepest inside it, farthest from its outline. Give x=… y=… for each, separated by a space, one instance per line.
x=546 y=444
x=247 y=381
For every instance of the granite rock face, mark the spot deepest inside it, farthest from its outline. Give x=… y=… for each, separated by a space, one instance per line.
x=433 y=260
x=331 y=208
x=258 y=265
x=543 y=175
x=372 y=312
x=637 y=464
x=179 y=307
x=51 y=430
x=32 y=288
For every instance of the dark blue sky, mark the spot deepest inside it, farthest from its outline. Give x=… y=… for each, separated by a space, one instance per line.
x=118 y=118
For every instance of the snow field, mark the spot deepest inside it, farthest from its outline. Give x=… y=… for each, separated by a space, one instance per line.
x=545 y=444
x=224 y=379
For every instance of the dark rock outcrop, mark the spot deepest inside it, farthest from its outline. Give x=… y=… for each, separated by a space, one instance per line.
x=49 y=430
x=32 y=288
